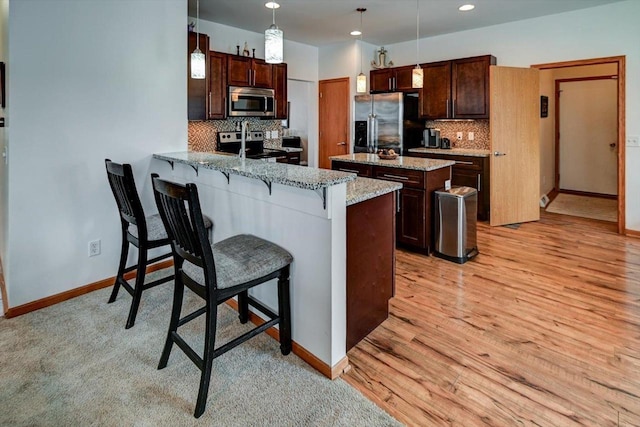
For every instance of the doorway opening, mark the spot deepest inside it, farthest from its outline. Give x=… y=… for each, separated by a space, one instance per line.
x=564 y=170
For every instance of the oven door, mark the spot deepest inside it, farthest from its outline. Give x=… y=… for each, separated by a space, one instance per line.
x=251 y=102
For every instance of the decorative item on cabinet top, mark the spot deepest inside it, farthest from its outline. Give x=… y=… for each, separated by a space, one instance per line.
x=382 y=60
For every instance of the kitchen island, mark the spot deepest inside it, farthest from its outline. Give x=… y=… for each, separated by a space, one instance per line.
x=471 y=169
x=303 y=210
x=419 y=177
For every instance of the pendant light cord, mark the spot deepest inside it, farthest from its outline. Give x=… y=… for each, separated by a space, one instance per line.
x=361 y=12
x=273 y=11
x=417 y=28
x=197 y=19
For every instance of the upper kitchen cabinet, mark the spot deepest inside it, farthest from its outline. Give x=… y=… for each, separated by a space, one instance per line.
x=197 y=89
x=217 y=85
x=396 y=79
x=244 y=71
x=280 y=88
x=457 y=89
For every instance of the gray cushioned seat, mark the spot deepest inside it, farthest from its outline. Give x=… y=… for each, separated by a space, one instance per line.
x=155 y=228
x=240 y=259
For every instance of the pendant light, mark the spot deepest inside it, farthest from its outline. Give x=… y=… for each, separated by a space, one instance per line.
x=417 y=75
x=361 y=80
x=197 y=57
x=273 y=38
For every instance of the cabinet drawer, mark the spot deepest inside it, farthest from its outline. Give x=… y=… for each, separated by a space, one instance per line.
x=408 y=177
x=359 y=168
x=463 y=162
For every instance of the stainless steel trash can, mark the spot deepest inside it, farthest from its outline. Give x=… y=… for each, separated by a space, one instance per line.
x=456 y=211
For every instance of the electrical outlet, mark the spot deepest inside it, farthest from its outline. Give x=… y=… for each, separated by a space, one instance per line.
x=94 y=247
x=633 y=141
x=459 y=136
x=274 y=134
x=267 y=134
x=447 y=185
x=471 y=136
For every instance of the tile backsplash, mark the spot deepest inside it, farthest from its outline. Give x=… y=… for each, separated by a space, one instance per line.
x=202 y=135
x=449 y=129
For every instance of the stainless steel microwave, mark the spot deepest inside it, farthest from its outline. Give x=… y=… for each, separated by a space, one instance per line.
x=251 y=102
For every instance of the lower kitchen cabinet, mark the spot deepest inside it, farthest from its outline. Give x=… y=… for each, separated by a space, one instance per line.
x=469 y=171
x=291 y=158
x=414 y=218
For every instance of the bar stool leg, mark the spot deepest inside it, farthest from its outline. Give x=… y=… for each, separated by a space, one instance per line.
x=137 y=292
x=284 y=311
x=209 y=347
x=243 y=306
x=124 y=252
x=178 y=293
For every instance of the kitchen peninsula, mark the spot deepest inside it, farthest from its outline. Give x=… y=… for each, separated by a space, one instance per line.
x=419 y=177
x=307 y=211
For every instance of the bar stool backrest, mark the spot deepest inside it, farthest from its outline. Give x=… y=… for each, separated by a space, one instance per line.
x=124 y=190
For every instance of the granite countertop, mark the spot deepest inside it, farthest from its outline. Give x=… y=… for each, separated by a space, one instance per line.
x=402 y=162
x=453 y=151
x=366 y=188
x=291 y=149
x=280 y=173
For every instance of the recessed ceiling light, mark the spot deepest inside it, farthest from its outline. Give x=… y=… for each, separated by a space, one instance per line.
x=355 y=32
x=271 y=5
x=466 y=7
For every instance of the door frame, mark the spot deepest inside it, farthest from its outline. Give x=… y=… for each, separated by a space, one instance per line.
x=322 y=149
x=620 y=61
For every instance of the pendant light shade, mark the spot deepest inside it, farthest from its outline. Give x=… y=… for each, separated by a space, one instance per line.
x=273 y=39
x=361 y=80
x=197 y=57
x=417 y=76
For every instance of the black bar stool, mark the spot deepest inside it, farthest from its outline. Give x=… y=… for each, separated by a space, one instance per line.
x=143 y=232
x=216 y=273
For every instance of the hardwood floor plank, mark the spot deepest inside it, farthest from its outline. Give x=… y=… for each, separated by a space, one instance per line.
x=541 y=328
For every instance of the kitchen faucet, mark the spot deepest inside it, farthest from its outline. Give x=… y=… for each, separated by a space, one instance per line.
x=243 y=139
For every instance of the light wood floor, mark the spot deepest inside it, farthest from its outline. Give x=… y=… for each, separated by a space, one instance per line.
x=542 y=329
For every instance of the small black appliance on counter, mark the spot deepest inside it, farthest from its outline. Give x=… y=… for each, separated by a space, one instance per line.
x=445 y=143
x=431 y=138
x=291 y=141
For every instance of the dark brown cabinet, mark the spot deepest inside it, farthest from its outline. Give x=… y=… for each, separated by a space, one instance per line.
x=396 y=79
x=469 y=171
x=244 y=71
x=197 y=89
x=217 y=85
x=457 y=89
x=414 y=219
x=291 y=158
x=280 y=88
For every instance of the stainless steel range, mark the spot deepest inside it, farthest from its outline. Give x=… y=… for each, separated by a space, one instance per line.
x=229 y=142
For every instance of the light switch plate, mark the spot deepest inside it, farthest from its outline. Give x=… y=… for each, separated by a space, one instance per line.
x=471 y=136
x=459 y=136
x=274 y=134
x=447 y=185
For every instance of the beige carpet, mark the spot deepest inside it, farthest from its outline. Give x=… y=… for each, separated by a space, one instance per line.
x=585 y=207
x=74 y=364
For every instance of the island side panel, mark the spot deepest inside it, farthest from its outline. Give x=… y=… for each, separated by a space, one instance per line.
x=370 y=264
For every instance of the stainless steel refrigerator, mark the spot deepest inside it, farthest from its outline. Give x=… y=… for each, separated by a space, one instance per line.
x=386 y=120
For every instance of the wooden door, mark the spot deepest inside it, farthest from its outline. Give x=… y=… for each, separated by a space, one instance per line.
x=515 y=140
x=587 y=144
x=262 y=74
x=435 y=96
x=238 y=70
x=217 y=85
x=470 y=87
x=333 y=120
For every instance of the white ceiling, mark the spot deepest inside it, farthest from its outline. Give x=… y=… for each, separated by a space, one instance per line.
x=323 y=22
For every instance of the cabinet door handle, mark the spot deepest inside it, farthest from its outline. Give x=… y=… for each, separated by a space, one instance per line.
x=453 y=108
x=390 y=83
x=348 y=170
x=479 y=183
x=209 y=103
x=398 y=201
x=447 y=110
x=459 y=162
x=402 y=178
x=249 y=77
x=342 y=143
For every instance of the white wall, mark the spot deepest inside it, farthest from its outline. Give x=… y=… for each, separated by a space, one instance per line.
x=609 y=30
x=89 y=80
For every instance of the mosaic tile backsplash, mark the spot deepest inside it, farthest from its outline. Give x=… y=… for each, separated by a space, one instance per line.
x=202 y=135
x=448 y=129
